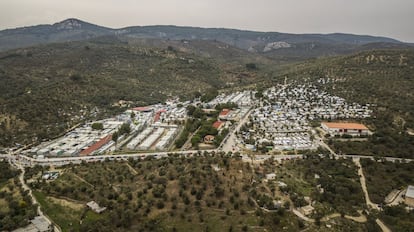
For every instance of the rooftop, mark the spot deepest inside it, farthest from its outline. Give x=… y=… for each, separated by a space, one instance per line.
x=96 y=145
x=410 y=191
x=38 y=224
x=95 y=207
x=346 y=125
x=142 y=109
x=225 y=112
x=217 y=124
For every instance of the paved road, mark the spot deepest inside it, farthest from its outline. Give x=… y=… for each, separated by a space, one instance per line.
x=261 y=158
x=28 y=161
x=230 y=140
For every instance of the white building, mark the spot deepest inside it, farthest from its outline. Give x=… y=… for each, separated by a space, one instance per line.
x=409 y=196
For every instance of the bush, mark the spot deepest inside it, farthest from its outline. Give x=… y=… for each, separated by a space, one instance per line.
x=251 y=66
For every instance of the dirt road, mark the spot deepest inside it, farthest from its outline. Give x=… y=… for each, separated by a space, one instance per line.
x=368 y=201
x=34 y=201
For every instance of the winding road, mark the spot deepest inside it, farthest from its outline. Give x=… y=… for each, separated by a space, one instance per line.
x=34 y=201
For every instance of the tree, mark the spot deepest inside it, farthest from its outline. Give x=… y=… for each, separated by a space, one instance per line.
x=76 y=77
x=251 y=66
x=209 y=95
x=125 y=129
x=190 y=110
x=97 y=126
x=195 y=140
x=198 y=113
x=115 y=136
x=160 y=204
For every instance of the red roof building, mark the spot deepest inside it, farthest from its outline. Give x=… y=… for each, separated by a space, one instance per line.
x=96 y=146
x=158 y=115
x=224 y=114
x=218 y=124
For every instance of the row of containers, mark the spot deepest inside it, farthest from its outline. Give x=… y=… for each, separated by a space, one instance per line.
x=153 y=137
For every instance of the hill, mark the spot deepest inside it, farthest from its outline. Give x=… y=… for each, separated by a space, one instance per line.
x=65 y=31
x=383 y=78
x=280 y=46
x=46 y=89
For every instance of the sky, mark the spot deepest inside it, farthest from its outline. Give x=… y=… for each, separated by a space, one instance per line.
x=390 y=18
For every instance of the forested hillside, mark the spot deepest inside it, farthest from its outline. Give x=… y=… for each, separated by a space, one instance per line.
x=45 y=89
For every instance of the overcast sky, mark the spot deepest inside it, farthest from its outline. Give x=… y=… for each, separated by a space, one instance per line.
x=391 y=18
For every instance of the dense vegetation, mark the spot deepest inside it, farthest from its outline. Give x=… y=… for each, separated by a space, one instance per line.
x=203 y=192
x=16 y=208
x=383 y=177
x=339 y=180
x=174 y=193
x=200 y=124
x=398 y=218
x=191 y=125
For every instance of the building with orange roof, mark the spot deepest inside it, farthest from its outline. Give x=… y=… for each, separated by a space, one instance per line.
x=345 y=128
x=158 y=115
x=224 y=114
x=218 y=124
x=90 y=150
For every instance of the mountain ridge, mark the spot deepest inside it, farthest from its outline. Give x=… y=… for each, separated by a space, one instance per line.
x=266 y=43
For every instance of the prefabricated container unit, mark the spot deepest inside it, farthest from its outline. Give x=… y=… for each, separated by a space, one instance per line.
x=151 y=139
x=166 y=139
x=139 y=138
x=43 y=151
